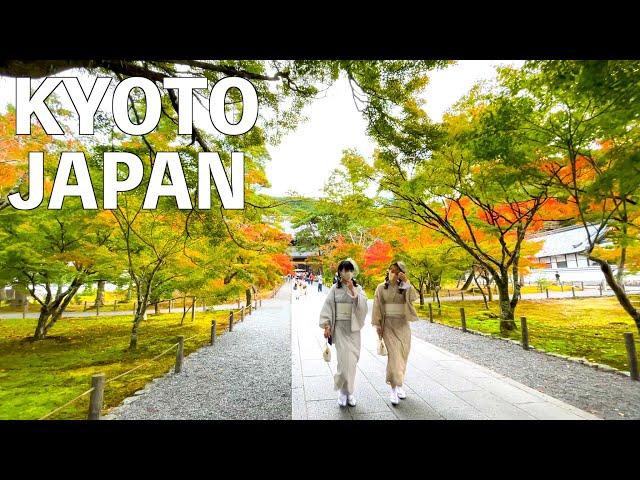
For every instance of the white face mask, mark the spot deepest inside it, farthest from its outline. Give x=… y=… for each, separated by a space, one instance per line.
x=346 y=275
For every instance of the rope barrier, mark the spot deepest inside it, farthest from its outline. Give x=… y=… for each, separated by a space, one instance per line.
x=67 y=404
x=148 y=362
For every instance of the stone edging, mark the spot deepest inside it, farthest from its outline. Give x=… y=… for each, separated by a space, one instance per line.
x=583 y=361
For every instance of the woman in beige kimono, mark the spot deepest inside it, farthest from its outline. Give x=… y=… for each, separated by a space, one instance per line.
x=342 y=317
x=392 y=311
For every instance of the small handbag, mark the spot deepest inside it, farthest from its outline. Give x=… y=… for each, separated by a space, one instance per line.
x=326 y=353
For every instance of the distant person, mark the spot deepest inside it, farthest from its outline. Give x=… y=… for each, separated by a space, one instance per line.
x=320 y=283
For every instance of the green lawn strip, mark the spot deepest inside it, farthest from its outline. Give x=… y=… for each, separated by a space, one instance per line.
x=591 y=328
x=37 y=377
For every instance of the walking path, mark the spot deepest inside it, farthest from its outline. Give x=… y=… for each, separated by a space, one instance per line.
x=271 y=367
x=439 y=384
x=246 y=375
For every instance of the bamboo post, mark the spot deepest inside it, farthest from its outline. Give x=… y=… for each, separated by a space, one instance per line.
x=213 y=332
x=179 y=354
x=463 y=319
x=256 y=305
x=547 y=290
x=430 y=314
x=582 y=286
x=97 y=395
x=242 y=314
x=525 y=333
x=632 y=356
x=231 y=321
x=573 y=291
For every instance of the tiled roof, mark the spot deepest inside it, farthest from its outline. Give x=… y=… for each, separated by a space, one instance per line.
x=565 y=240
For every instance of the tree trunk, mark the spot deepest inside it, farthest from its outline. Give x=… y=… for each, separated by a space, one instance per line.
x=469 y=279
x=133 y=341
x=100 y=294
x=156 y=308
x=507 y=322
x=421 y=294
x=484 y=297
x=248 y=296
x=45 y=313
x=622 y=297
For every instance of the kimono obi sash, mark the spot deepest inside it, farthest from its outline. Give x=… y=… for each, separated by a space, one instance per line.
x=343 y=311
x=394 y=309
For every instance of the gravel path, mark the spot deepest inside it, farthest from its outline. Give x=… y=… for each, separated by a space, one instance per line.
x=605 y=394
x=246 y=375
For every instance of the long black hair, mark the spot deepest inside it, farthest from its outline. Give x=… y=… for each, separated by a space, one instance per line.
x=349 y=267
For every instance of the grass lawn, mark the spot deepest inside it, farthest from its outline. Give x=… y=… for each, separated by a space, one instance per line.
x=37 y=377
x=582 y=327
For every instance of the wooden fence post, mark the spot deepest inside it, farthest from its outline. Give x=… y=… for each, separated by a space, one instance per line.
x=632 y=356
x=525 y=333
x=430 y=313
x=547 y=290
x=462 y=294
x=573 y=291
x=179 y=354
x=463 y=319
x=25 y=309
x=213 y=332
x=85 y=306
x=231 y=321
x=115 y=305
x=600 y=289
x=97 y=395
x=242 y=314
x=170 y=302
x=193 y=308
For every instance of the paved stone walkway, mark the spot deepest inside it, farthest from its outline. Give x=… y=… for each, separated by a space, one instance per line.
x=439 y=384
x=246 y=375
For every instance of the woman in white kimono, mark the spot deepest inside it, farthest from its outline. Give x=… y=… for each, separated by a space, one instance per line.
x=342 y=317
x=392 y=311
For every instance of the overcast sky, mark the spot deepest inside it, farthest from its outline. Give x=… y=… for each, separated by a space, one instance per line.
x=304 y=159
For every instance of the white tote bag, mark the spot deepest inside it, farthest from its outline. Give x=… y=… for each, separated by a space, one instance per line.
x=326 y=353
